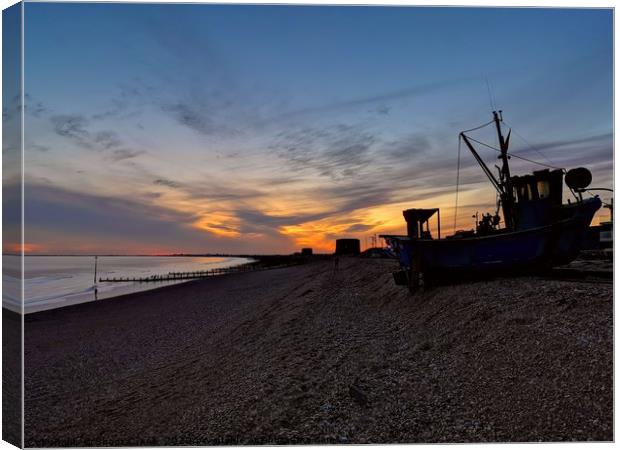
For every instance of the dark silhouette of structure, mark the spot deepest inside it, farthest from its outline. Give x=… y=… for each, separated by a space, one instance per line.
x=306 y=251
x=538 y=231
x=347 y=246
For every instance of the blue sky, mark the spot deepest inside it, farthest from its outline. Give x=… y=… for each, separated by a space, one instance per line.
x=264 y=128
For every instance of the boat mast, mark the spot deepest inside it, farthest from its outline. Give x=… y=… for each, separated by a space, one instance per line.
x=503 y=186
x=507 y=195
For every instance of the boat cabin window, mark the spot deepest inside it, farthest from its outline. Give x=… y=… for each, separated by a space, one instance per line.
x=533 y=189
x=525 y=188
x=549 y=184
x=525 y=192
x=543 y=188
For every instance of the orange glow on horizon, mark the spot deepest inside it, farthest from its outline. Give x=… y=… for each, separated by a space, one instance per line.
x=16 y=247
x=221 y=224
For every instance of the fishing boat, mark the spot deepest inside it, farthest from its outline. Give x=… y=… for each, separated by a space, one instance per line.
x=535 y=231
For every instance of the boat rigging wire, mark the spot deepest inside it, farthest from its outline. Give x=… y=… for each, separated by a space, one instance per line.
x=527 y=143
x=458 y=175
x=478 y=127
x=516 y=156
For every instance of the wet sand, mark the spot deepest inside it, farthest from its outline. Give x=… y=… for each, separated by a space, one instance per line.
x=303 y=355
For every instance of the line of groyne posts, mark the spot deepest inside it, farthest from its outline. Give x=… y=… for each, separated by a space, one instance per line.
x=176 y=276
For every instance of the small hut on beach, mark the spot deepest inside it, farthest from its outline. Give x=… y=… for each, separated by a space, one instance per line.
x=347 y=246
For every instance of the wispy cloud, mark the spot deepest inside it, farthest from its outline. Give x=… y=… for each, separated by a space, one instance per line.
x=72 y=126
x=337 y=152
x=563 y=144
x=35 y=107
x=166 y=182
x=363 y=101
x=77 y=128
x=123 y=154
x=359 y=228
x=412 y=145
x=124 y=225
x=107 y=139
x=253 y=218
x=37 y=147
x=197 y=117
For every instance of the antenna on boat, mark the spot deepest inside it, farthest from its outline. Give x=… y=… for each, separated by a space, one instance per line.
x=491 y=99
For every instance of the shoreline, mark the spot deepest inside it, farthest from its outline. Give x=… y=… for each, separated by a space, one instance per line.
x=303 y=355
x=67 y=283
x=122 y=297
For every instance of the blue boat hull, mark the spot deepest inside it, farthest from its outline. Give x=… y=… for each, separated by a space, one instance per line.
x=542 y=247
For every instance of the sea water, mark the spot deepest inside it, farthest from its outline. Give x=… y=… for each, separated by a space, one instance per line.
x=55 y=281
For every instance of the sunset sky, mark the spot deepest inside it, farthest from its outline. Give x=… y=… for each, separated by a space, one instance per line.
x=262 y=129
